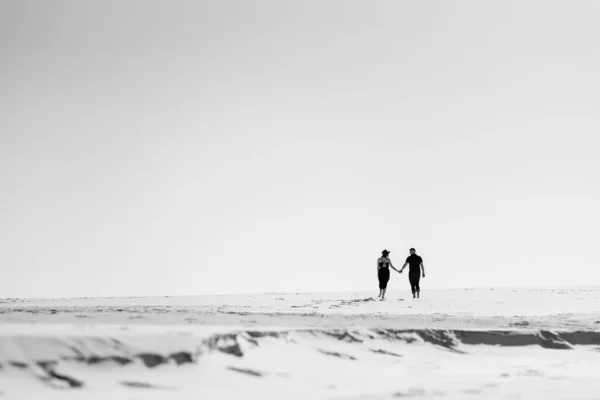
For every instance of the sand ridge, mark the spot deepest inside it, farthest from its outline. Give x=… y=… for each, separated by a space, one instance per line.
x=534 y=342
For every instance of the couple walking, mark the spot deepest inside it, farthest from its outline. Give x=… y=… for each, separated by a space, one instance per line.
x=415 y=264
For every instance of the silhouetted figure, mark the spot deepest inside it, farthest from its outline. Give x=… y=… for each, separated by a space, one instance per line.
x=415 y=263
x=383 y=272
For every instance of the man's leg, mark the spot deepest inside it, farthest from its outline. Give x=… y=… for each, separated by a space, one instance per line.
x=417 y=287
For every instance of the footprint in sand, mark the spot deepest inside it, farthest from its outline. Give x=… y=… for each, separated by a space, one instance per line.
x=336 y=354
x=142 y=385
x=246 y=371
x=385 y=352
x=362 y=300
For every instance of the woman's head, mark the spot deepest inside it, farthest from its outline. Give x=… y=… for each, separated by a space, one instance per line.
x=385 y=253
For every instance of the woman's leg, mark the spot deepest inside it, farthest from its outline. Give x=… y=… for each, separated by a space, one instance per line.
x=383 y=281
x=383 y=278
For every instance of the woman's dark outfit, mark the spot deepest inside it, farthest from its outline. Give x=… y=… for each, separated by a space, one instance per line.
x=383 y=273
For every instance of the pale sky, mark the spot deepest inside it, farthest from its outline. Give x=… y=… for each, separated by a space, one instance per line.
x=234 y=146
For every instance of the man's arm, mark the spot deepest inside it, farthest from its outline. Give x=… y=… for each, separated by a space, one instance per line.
x=404 y=266
x=423 y=269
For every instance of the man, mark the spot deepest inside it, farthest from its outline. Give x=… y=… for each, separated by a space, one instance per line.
x=414 y=272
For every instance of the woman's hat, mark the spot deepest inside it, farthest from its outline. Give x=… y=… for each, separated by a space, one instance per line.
x=385 y=252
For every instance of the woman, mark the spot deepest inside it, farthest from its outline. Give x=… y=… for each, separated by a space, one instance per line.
x=383 y=272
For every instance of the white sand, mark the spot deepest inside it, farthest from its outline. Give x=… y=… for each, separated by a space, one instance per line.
x=317 y=346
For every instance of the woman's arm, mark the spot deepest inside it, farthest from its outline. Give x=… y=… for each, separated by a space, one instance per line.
x=394 y=268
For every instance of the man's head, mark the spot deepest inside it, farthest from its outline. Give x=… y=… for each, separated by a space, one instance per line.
x=412 y=250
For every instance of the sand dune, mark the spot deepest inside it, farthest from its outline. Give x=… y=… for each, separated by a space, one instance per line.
x=359 y=349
